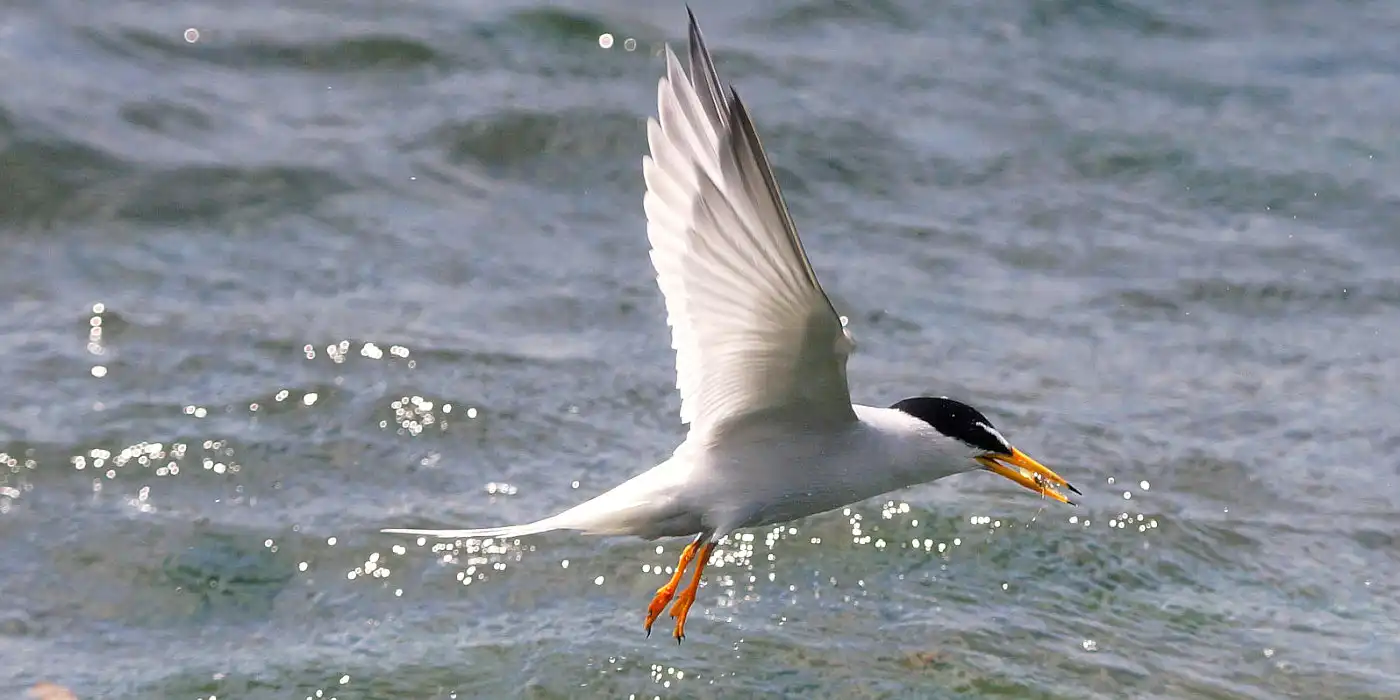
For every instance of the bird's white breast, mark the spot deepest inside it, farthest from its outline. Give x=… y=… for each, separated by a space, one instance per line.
x=775 y=471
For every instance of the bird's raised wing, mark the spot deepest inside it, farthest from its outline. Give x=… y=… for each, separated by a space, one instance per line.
x=752 y=329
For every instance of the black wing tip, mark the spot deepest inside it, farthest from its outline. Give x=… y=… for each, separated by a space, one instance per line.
x=694 y=23
x=739 y=118
x=736 y=105
x=696 y=38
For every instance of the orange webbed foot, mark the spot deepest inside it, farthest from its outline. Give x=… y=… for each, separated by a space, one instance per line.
x=666 y=592
x=681 y=608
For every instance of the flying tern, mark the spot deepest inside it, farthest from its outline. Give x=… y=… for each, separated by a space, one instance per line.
x=760 y=361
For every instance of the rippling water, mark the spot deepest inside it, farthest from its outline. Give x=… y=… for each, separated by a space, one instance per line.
x=318 y=268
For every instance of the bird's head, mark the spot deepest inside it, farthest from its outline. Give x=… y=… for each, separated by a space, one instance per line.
x=989 y=449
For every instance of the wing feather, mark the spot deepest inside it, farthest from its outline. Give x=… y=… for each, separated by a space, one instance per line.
x=754 y=332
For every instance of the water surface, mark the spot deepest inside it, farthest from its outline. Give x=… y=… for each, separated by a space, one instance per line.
x=328 y=267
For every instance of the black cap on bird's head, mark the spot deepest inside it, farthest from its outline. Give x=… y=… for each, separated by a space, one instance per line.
x=967 y=425
x=957 y=420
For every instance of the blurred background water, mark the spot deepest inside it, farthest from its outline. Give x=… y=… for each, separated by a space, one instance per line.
x=274 y=275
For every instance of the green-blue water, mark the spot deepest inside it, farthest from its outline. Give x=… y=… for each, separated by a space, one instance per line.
x=328 y=267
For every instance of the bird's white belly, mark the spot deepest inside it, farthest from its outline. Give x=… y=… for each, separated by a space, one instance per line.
x=776 y=476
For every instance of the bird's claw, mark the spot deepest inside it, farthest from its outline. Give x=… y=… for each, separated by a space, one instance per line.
x=663 y=598
x=666 y=595
x=667 y=591
x=680 y=610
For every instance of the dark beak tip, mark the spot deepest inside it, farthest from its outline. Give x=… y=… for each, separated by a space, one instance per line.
x=1071 y=487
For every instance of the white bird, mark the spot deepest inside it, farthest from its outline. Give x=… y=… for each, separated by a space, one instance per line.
x=760 y=361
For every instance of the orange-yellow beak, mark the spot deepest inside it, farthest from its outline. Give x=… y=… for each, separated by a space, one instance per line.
x=1028 y=473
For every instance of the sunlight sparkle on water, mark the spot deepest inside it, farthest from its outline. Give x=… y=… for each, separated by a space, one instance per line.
x=371 y=567
x=94 y=345
x=340 y=352
x=414 y=414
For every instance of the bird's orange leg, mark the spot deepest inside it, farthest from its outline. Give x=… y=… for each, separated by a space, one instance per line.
x=681 y=608
x=665 y=593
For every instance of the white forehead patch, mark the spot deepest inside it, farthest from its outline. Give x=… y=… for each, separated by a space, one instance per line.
x=1000 y=438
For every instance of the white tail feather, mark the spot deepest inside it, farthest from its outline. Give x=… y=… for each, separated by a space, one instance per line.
x=508 y=531
x=642 y=505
